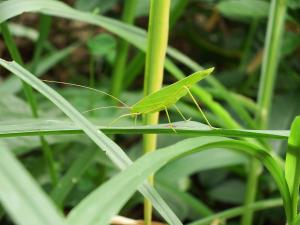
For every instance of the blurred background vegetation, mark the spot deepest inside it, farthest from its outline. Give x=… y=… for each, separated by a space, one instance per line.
x=226 y=34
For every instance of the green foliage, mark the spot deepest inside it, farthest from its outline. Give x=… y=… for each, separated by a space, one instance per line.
x=101 y=44
x=292 y=163
x=51 y=169
x=21 y=196
x=238 y=9
x=90 y=5
x=294 y=4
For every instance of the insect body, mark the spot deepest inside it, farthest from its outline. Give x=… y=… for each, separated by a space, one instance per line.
x=168 y=96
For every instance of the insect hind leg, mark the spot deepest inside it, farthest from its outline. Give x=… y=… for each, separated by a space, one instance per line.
x=202 y=113
x=181 y=114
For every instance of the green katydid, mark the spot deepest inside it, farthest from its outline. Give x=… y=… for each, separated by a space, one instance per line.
x=161 y=99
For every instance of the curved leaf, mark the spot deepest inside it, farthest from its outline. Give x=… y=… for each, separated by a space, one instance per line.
x=122 y=186
x=237 y=211
x=23 y=199
x=292 y=163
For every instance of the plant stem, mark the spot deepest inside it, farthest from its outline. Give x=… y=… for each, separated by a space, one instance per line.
x=251 y=190
x=134 y=68
x=270 y=60
x=123 y=47
x=44 y=30
x=265 y=95
x=156 y=50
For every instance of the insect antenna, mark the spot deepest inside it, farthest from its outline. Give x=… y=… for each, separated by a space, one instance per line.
x=107 y=107
x=88 y=88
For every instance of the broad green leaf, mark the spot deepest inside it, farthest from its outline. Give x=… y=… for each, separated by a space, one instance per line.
x=244 y=8
x=290 y=43
x=230 y=191
x=101 y=44
x=294 y=4
x=34 y=127
x=113 y=151
x=122 y=186
x=191 y=164
x=292 y=163
x=91 y=5
x=195 y=206
x=21 y=196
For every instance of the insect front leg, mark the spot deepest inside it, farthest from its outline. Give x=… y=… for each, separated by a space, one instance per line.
x=117 y=119
x=170 y=123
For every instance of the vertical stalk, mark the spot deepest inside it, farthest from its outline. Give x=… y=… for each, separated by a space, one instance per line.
x=44 y=30
x=265 y=94
x=155 y=56
x=247 y=45
x=270 y=60
x=123 y=47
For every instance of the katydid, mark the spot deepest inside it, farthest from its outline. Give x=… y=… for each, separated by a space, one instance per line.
x=161 y=99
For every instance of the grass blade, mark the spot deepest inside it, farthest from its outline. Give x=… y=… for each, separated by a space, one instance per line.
x=66 y=183
x=36 y=127
x=23 y=199
x=292 y=164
